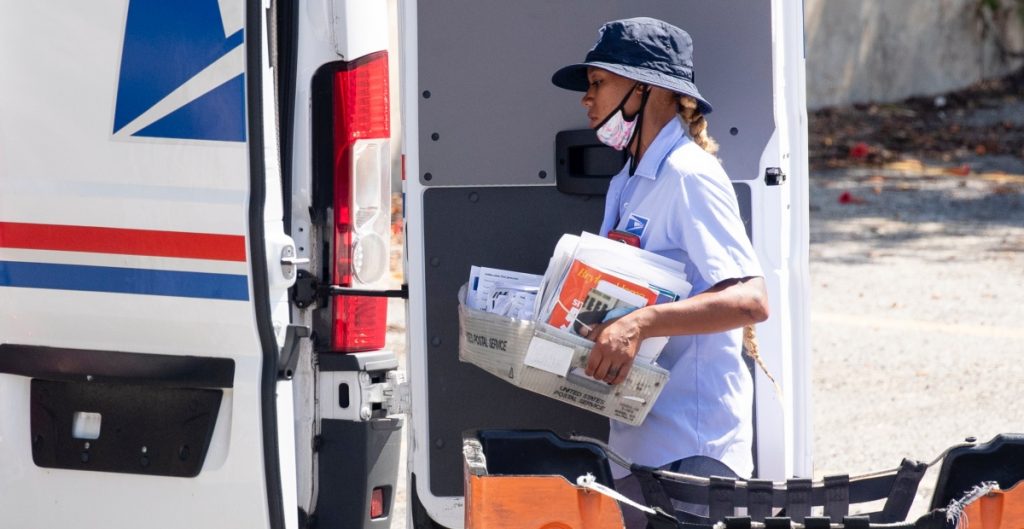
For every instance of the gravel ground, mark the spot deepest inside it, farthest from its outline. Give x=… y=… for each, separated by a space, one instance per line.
x=917 y=277
x=917 y=288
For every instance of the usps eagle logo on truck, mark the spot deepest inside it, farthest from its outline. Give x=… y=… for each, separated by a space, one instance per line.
x=182 y=71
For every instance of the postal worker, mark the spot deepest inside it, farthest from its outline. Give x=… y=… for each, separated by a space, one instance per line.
x=675 y=197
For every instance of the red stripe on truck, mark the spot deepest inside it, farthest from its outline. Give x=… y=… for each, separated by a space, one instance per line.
x=65 y=238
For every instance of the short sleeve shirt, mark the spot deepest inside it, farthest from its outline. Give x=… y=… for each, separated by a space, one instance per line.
x=682 y=205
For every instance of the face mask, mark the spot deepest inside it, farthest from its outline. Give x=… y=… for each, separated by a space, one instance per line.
x=615 y=131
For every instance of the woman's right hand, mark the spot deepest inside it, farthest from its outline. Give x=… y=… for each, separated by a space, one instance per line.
x=615 y=346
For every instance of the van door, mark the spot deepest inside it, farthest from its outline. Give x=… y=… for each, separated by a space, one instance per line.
x=490 y=182
x=143 y=296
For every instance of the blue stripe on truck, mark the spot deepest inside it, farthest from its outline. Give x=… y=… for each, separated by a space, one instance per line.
x=124 y=280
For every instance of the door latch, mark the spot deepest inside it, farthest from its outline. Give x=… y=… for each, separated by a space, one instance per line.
x=392 y=394
x=290 y=262
x=773 y=176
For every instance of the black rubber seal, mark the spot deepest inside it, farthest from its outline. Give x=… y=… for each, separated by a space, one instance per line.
x=260 y=275
x=287 y=61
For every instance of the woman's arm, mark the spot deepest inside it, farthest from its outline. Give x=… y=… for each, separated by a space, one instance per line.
x=728 y=305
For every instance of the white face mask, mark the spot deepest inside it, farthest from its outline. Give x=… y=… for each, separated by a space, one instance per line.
x=615 y=131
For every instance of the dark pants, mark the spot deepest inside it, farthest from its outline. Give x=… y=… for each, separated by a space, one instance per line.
x=696 y=465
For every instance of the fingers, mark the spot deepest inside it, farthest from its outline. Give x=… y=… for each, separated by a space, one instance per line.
x=621 y=374
x=605 y=363
x=598 y=364
x=613 y=373
x=591 y=332
x=602 y=367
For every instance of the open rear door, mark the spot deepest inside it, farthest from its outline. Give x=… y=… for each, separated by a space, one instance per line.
x=481 y=118
x=142 y=294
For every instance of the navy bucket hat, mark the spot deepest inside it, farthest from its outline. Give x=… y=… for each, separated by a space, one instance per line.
x=644 y=49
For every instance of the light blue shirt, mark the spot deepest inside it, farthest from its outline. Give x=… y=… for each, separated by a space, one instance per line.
x=682 y=205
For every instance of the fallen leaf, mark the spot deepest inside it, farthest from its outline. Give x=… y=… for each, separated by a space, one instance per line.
x=847 y=197
x=859 y=150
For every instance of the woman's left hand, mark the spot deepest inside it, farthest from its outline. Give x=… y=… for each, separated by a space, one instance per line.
x=615 y=346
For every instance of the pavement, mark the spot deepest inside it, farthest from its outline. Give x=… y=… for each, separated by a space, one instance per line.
x=917 y=278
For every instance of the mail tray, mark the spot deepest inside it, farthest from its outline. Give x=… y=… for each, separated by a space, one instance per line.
x=499 y=345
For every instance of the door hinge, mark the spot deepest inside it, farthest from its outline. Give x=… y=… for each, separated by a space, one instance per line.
x=304 y=292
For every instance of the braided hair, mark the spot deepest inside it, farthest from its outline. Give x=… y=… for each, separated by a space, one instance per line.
x=696 y=124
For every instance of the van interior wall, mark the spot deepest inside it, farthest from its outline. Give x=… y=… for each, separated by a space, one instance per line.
x=488 y=120
x=882 y=51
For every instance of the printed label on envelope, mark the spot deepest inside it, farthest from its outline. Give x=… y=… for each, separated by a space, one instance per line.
x=549 y=356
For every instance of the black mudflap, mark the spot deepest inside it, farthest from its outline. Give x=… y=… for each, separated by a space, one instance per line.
x=355 y=457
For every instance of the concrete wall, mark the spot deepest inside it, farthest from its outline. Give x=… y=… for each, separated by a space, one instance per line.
x=888 y=50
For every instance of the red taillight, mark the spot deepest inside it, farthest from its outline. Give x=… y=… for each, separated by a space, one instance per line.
x=360 y=323
x=362 y=199
x=377 y=503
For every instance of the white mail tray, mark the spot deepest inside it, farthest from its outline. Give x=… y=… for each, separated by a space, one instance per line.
x=499 y=345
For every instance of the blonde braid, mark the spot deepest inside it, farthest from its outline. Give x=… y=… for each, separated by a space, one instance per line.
x=750 y=348
x=698 y=126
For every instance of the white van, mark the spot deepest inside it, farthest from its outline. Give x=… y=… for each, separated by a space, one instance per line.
x=195 y=220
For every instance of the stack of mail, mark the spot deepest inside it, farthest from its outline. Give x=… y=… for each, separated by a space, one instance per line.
x=503 y=292
x=526 y=329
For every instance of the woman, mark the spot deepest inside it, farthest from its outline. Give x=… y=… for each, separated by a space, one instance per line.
x=676 y=198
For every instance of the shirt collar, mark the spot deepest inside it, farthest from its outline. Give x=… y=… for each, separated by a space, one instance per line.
x=659 y=149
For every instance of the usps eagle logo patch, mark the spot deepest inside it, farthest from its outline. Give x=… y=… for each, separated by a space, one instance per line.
x=636 y=224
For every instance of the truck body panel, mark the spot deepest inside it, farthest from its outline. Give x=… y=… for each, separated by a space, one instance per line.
x=133 y=223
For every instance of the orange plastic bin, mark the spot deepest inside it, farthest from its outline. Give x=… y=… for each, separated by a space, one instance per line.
x=529 y=487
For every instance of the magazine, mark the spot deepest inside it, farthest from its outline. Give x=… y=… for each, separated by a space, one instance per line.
x=592 y=280
x=589 y=295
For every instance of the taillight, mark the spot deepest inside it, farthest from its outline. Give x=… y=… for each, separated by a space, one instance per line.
x=362 y=200
x=377 y=503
